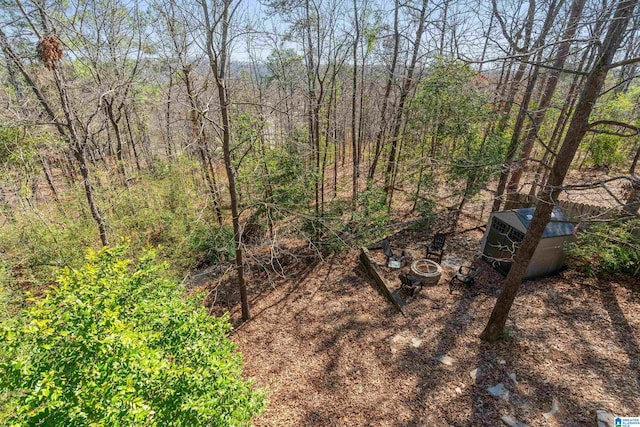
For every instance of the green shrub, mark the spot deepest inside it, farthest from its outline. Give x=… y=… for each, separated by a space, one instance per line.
x=116 y=345
x=212 y=244
x=606 y=151
x=607 y=249
x=373 y=210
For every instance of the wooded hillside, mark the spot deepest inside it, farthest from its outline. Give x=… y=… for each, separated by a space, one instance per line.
x=237 y=136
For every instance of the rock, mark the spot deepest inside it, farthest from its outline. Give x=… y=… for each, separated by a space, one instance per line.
x=512 y=422
x=512 y=375
x=604 y=419
x=446 y=360
x=555 y=408
x=474 y=374
x=458 y=390
x=502 y=362
x=416 y=342
x=398 y=342
x=499 y=390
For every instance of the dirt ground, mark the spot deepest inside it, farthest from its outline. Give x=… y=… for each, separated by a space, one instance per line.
x=332 y=351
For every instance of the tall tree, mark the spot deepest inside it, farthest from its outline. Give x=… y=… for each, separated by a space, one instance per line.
x=354 y=126
x=408 y=84
x=549 y=89
x=71 y=125
x=217 y=18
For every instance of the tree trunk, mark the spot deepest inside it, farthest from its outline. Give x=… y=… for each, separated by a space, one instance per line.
x=404 y=92
x=47 y=174
x=354 y=121
x=200 y=137
x=632 y=169
x=79 y=149
x=218 y=63
x=632 y=204
x=132 y=140
x=116 y=131
x=515 y=138
x=548 y=195
x=549 y=90
x=387 y=92
x=6 y=207
x=167 y=117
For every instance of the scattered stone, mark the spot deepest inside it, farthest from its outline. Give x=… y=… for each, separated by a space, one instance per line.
x=458 y=390
x=512 y=375
x=512 y=422
x=416 y=342
x=446 y=360
x=604 y=419
x=499 y=390
x=502 y=362
x=555 y=408
x=398 y=342
x=474 y=374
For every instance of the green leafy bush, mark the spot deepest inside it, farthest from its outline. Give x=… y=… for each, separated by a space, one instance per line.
x=116 y=345
x=607 y=249
x=605 y=151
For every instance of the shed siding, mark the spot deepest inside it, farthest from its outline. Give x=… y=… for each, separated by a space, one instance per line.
x=548 y=257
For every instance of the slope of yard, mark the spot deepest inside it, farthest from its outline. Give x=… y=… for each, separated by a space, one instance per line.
x=333 y=351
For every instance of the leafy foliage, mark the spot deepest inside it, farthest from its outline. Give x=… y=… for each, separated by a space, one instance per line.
x=608 y=249
x=603 y=151
x=606 y=150
x=114 y=344
x=476 y=163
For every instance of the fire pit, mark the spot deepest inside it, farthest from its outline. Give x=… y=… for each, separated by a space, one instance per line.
x=428 y=271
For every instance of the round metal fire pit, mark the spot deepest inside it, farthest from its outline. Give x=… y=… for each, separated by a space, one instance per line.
x=427 y=270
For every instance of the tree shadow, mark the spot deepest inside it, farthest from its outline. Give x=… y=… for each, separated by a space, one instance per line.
x=624 y=332
x=259 y=284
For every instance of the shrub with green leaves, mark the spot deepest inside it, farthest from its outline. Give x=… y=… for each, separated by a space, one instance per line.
x=114 y=344
x=610 y=248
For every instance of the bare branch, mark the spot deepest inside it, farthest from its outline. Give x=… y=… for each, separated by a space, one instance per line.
x=634 y=129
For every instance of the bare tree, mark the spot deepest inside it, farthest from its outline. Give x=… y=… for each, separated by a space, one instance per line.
x=550 y=87
x=71 y=125
x=217 y=18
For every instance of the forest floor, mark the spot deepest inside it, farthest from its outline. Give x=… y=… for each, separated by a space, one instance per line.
x=331 y=350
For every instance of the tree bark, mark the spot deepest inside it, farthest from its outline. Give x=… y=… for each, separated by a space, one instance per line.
x=354 y=120
x=218 y=63
x=632 y=204
x=6 y=207
x=47 y=174
x=387 y=93
x=549 y=90
x=404 y=93
x=515 y=138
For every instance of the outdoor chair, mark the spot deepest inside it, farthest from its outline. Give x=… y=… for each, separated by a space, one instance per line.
x=410 y=282
x=436 y=249
x=393 y=260
x=464 y=278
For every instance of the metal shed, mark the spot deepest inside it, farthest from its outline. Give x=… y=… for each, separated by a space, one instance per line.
x=505 y=231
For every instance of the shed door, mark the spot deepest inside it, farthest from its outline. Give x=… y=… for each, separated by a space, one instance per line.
x=502 y=243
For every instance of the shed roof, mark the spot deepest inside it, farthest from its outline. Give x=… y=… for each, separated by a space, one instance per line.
x=559 y=224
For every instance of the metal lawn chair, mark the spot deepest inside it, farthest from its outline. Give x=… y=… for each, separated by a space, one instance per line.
x=393 y=260
x=436 y=249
